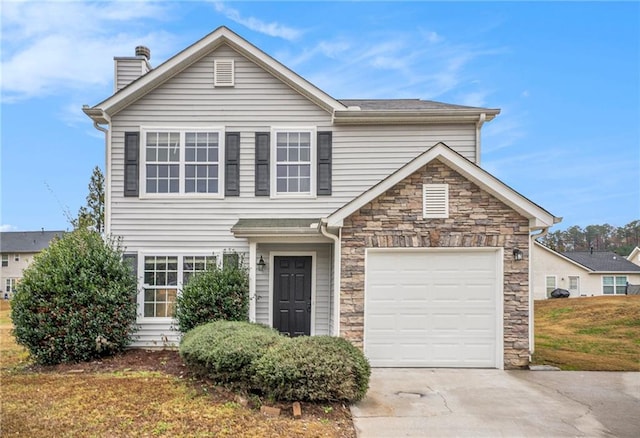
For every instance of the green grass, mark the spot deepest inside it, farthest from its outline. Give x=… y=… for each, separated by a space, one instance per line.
x=594 y=333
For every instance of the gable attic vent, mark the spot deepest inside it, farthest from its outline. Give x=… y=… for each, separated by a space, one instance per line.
x=223 y=73
x=435 y=201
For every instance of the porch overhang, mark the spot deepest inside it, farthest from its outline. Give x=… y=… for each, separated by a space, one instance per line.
x=264 y=228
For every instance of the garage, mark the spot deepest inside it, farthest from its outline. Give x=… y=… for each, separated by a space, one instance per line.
x=433 y=307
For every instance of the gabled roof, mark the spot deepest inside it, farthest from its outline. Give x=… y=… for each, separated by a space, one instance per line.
x=345 y=112
x=539 y=218
x=26 y=241
x=602 y=261
x=101 y=112
x=634 y=255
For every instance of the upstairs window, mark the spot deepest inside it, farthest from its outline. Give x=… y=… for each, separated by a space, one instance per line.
x=293 y=162
x=5 y=260
x=182 y=162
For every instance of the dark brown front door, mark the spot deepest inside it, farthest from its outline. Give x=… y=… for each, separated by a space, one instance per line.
x=292 y=295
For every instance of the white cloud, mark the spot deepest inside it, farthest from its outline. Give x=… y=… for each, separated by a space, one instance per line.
x=272 y=29
x=7 y=227
x=54 y=48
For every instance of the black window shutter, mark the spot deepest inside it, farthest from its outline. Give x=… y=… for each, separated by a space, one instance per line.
x=262 y=164
x=131 y=259
x=131 y=163
x=324 y=162
x=232 y=164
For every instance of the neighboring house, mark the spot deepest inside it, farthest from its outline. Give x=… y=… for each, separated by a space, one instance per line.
x=582 y=273
x=366 y=219
x=17 y=249
x=634 y=257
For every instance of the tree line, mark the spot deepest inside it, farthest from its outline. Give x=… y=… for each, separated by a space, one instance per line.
x=621 y=240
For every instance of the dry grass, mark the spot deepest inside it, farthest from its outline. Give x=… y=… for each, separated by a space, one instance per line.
x=103 y=401
x=592 y=333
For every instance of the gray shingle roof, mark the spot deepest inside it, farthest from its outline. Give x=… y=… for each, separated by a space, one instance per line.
x=604 y=261
x=399 y=104
x=26 y=241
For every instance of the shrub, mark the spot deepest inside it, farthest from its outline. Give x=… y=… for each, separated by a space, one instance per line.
x=213 y=295
x=76 y=301
x=225 y=351
x=318 y=368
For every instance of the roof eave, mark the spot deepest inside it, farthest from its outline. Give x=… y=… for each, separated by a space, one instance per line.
x=417 y=116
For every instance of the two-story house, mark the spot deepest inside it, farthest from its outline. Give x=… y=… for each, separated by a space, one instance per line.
x=362 y=218
x=17 y=249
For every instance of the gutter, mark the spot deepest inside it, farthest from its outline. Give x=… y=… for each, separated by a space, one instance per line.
x=336 y=275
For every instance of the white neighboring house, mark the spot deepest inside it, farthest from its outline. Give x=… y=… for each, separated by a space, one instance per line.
x=369 y=219
x=17 y=249
x=582 y=273
x=634 y=256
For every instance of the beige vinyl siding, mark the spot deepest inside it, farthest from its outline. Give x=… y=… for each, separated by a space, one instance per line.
x=127 y=71
x=362 y=156
x=322 y=310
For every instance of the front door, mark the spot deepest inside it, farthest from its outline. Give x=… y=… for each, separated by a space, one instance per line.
x=292 y=295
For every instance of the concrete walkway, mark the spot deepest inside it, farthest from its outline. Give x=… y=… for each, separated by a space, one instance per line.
x=494 y=403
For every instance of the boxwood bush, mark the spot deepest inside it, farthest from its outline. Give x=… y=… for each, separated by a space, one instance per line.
x=317 y=368
x=76 y=301
x=212 y=295
x=225 y=351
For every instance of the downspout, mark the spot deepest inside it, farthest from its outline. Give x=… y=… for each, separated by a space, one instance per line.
x=107 y=193
x=533 y=237
x=336 y=276
x=479 y=124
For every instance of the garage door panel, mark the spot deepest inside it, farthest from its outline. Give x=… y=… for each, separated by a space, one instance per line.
x=431 y=308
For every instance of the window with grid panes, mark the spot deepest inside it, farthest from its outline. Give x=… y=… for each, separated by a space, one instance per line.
x=293 y=162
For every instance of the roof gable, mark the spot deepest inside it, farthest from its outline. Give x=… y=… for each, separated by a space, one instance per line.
x=101 y=112
x=538 y=217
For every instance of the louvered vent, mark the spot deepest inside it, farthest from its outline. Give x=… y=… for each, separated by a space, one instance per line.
x=435 y=201
x=223 y=75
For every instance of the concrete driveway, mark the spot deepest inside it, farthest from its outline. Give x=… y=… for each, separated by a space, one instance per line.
x=494 y=403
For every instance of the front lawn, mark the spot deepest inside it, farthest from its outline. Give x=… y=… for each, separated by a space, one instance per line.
x=590 y=333
x=139 y=394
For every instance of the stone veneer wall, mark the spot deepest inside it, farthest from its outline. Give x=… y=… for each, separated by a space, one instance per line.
x=476 y=219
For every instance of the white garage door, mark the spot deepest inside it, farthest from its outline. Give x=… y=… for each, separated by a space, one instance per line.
x=433 y=308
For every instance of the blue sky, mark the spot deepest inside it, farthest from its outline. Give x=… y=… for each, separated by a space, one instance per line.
x=565 y=75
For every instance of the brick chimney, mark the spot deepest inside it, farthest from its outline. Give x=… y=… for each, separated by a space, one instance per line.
x=130 y=68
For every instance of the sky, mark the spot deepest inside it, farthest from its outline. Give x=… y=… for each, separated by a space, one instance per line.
x=565 y=75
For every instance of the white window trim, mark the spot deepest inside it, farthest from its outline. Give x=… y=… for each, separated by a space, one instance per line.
x=555 y=282
x=615 y=284
x=274 y=163
x=5 y=260
x=218 y=254
x=181 y=163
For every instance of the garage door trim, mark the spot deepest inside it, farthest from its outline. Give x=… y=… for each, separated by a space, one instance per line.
x=499 y=281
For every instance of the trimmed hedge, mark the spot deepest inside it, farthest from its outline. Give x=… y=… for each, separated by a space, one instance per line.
x=216 y=294
x=225 y=351
x=318 y=368
x=76 y=301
